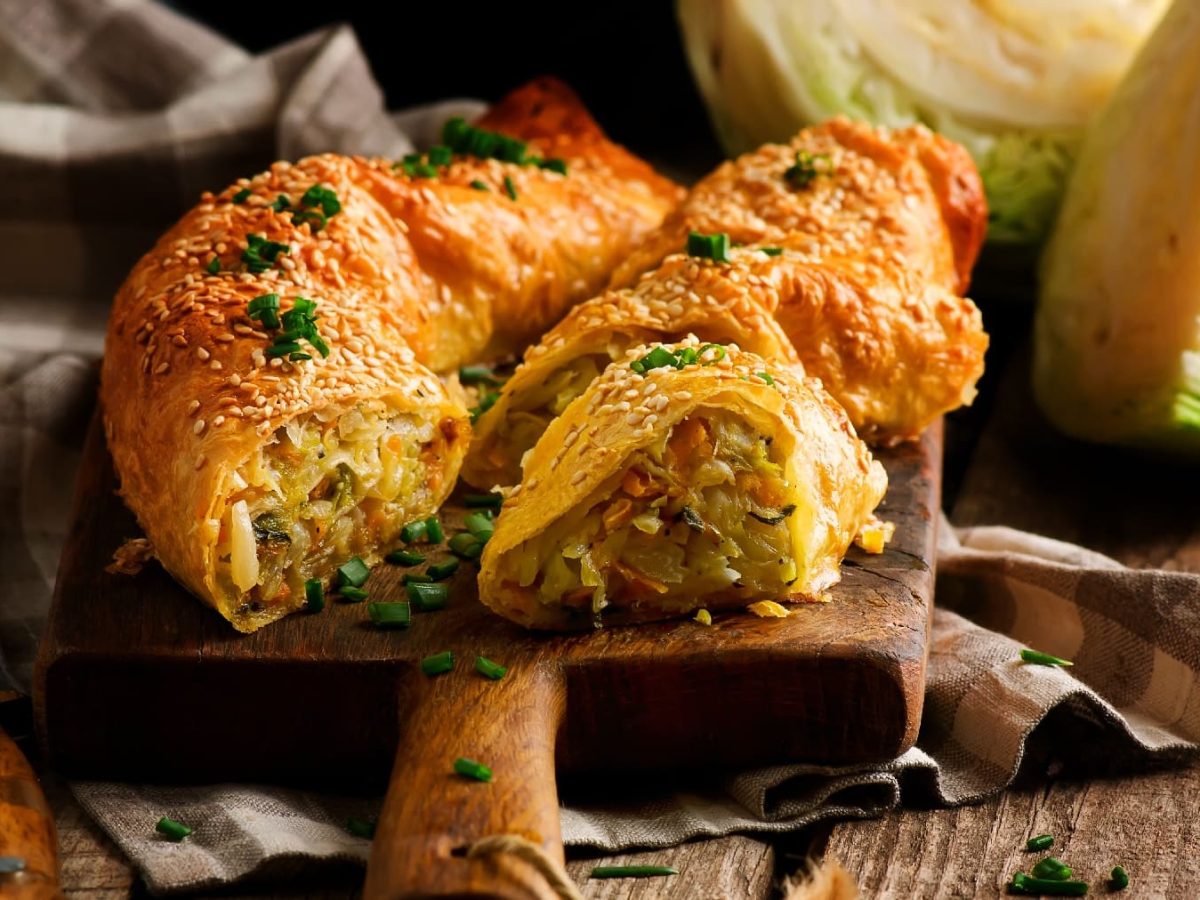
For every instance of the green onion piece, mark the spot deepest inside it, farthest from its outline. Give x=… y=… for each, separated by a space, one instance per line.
x=632 y=871
x=475 y=501
x=510 y=188
x=440 y=155
x=658 y=358
x=771 y=251
x=353 y=572
x=242 y=196
x=720 y=355
x=1119 y=879
x=1049 y=887
x=554 y=165
x=283 y=349
x=405 y=558
x=486 y=402
x=1017 y=885
x=489 y=669
x=314 y=595
x=443 y=569
x=479 y=525
x=708 y=246
x=363 y=828
x=433 y=530
x=438 y=664
x=416 y=577
x=766 y=376
x=427 y=597
x=1051 y=868
x=478 y=142
x=214 y=265
x=390 y=615
x=466 y=545
x=686 y=356
x=314 y=217
x=281 y=203
x=412 y=532
x=262 y=303
x=802 y=173
x=424 y=170
x=472 y=769
x=322 y=197
x=299 y=357
x=455 y=131
x=1043 y=659
x=720 y=248
x=352 y=594
x=478 y=375
x=1041 y=842
x=172 y=830
x=260 y=254
x=479 y=185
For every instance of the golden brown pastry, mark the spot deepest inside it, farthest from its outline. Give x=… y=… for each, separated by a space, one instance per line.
x=684 y=296
x=878 y=230
x=663 y=490
x=264 y=394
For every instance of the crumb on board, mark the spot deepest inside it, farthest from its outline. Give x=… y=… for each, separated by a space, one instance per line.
x=875 y=535
x=703 y=616
x=769 y=609
x=131 y=557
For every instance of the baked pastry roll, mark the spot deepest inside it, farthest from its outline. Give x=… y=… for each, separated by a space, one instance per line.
x=683 y=296
x=663 y=490
x=878 y=230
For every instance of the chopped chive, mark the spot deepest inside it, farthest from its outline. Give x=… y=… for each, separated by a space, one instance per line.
x=440 y=155
x=242 y=196
x=315 y=218
x=486 y=402
x=322 y=197
x=214 y=265
x=478 y=375
x=416 y=577
x=554 y=165
x=479 y=525
x=284 y=349
x=405 y=558
x=314 y=595
x=1048 y=887
x=427 y=597
x=443 y=569
x=424 y=170
x=299 y=357
x=363 y=828
x=281 y=203
x=1118 y=880
x=658 y=358
x=260 y=254
x=1043 y=659
x=489 y=669
x=412 y=532
x=510 y=188
x=709 y=246
x=475 y=501
x=802 y=173
x=479 y=185
x=717 y=358
x=352 y=594
x=1051 y=868
x=466 y=545
x=766 y=376
x=771 y=251
x=172 y=830
x=1041 y=842
x=438 y=664
x=454 y=131
x=433 y=530
x=632 y=871
x=261 y=304
x=390 y=615
x=353 y=572
x=471 y=769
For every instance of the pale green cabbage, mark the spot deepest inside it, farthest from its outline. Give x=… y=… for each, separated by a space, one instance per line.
x=1117 y=334
x=1015 y=81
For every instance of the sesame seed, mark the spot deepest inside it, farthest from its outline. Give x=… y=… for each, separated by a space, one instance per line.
x=198 y=427
x=202 y=353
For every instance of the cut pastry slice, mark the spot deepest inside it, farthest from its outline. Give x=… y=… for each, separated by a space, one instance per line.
x=682 y=297
x=664 y=489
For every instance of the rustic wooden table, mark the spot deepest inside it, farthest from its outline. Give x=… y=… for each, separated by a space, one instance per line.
x=1004 y=465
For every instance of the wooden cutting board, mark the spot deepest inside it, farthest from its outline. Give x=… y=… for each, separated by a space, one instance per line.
x=136 y=680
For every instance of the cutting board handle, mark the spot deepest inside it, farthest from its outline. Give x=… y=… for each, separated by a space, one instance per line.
x=431 y=815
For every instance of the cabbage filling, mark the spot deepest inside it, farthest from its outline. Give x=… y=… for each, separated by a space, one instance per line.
x=324 y=488
x=703 y=517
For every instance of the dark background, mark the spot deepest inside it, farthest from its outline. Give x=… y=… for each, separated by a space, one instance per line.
x=624 y=57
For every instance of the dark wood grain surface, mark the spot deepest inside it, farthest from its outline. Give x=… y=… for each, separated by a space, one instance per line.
x=129 y=664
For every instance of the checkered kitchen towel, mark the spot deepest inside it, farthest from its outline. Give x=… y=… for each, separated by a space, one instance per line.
x=97 y=96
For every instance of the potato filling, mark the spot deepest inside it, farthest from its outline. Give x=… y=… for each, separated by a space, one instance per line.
x=324 y=488
x=702 y=515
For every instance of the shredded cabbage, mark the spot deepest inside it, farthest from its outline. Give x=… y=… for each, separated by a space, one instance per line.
x=1015 y=81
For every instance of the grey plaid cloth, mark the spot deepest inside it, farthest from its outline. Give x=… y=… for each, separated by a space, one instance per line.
x=114 y=116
